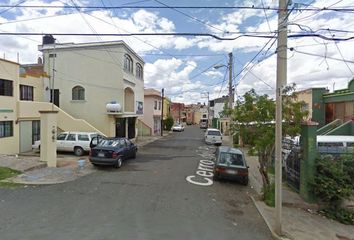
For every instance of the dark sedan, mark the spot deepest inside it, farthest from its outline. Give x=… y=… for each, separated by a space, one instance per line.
x=111 y=151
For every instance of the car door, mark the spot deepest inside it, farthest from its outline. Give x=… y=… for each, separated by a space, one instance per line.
x=70 y=142
x=60 y=141
x=125 y=151
x=130 y=148
x=83 y=140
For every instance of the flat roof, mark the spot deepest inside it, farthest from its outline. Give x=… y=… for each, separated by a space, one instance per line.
x=87 y=45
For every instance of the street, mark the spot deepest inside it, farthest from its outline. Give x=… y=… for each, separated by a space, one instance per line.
x=148 y=198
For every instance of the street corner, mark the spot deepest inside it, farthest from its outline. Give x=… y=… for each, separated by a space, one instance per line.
x=65 y=172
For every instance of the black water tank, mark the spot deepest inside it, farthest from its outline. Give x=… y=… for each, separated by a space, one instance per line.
x=48 y=39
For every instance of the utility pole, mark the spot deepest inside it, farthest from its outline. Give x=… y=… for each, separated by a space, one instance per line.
x=208 y=110
x=161 y=127
x=230 y=98
x=281 y=81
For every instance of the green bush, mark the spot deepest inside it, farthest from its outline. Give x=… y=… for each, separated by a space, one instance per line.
x=168 y=123
x=269 y=195
x=333 y=183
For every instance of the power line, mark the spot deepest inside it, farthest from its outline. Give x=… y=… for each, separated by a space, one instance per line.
x=8 y=9
x=317 y=55
x=189 y=16
x=174 y=34
x=341 y=9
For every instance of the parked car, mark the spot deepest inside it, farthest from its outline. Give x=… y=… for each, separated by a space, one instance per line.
x=213 y=136
x=230 y=163
x=77 y=142
x=111 y=151
x=178 y=128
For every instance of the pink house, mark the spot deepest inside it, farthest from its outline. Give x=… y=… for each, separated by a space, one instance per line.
x=152 y=110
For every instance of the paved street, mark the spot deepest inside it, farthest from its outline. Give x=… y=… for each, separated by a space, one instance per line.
x=148 y=198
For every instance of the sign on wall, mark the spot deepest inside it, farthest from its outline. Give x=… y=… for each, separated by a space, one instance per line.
x=139 y=107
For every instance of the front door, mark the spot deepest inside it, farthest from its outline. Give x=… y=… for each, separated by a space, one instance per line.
x=120 y=127
x=131 y=127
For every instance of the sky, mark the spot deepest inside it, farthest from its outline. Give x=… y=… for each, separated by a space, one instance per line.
x=184 y=65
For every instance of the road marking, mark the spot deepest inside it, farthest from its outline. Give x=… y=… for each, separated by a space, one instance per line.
x=204 y=174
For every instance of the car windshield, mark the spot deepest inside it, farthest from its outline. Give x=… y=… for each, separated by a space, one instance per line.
x=111 y=143
x=214 y=133
x=232 y=159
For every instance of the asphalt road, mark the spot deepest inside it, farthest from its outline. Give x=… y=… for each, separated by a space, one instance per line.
x=148 y=198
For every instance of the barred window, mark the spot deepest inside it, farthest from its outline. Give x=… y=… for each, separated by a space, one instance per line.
x=78 y=93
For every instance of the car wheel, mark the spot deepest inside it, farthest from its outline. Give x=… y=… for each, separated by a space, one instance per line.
x=119 y=163
x=78 y=151
x=245 y=181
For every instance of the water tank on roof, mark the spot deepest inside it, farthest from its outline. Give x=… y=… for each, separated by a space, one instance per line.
x=113 y=107
x=48 y=39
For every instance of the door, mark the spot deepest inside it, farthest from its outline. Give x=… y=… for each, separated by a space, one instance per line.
x=25 y=136
x=56 y=97
x=60 y=141
x=70 y=142
x=120 y=127
x=131 y=127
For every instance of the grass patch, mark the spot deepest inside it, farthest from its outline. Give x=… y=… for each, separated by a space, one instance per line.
x=8 y=173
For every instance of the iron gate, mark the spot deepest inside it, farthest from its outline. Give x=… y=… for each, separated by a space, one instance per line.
x=292 y=159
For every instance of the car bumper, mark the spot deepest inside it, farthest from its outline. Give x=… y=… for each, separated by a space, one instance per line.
x=213 y=141
x=103 y=161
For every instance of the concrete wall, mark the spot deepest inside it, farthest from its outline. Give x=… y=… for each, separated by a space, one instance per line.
x=102 y=76
x=8 y=111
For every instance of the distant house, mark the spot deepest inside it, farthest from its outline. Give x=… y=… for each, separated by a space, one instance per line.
x=178 y=112
x=152 y=111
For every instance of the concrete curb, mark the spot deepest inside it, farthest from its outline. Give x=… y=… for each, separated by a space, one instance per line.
x=274 y=235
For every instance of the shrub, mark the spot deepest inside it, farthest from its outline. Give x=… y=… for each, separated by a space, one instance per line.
x=168 y=123
x=333 y=183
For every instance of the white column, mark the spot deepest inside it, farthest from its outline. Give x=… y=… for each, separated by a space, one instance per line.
x=49 y=137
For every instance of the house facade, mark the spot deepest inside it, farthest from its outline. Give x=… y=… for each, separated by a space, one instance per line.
x=153 y=110
x=100 y=82
x=178 y=112
x=24 y=91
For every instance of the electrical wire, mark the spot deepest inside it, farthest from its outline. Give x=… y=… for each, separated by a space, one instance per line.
x=9 y=8
x=189 y=16
x=317 y=55
x=342 y=9
x=173 y=34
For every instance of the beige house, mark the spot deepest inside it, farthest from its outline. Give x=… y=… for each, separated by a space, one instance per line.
x=101 y=82
x=98 y=87
x=152 y=111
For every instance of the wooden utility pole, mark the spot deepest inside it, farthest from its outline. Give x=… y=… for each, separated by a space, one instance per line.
x=230 y=98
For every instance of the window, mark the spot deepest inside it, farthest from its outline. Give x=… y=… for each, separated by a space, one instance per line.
x=6 y=87
x=36 y=131
x=159 y=105
x=78 y=93
x=128 y=63
x=61 y=136
x=139 y=71
x=83 y=137
x=155 y=105
x=26 y=93
x=71 y=137
x=6 y=129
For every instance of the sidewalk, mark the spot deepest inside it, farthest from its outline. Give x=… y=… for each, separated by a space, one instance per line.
x=300 y=220
x=36 y=172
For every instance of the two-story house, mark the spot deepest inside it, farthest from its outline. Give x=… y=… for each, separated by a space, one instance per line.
x=152 y=111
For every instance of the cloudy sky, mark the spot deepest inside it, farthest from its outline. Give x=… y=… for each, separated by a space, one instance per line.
x=183 y=65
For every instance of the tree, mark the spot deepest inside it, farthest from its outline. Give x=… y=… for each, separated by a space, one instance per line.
x=254 y=120
x=168 y=123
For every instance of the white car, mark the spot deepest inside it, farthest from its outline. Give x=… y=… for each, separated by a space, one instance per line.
x=213 y=136
x=178 y=128
x=77 y=142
